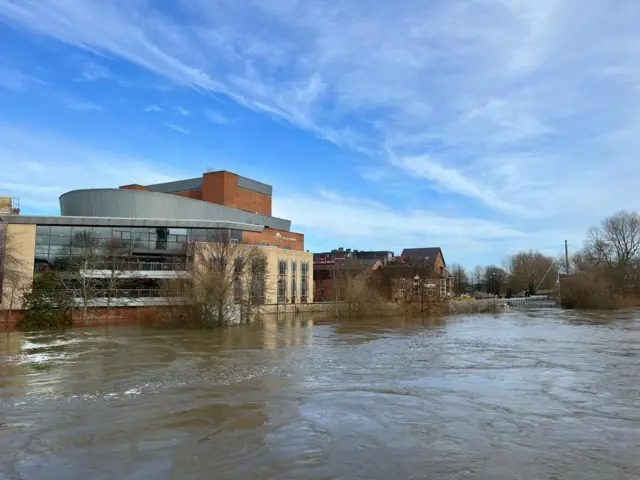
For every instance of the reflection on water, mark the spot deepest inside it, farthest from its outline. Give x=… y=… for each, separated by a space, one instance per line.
x=533 y=394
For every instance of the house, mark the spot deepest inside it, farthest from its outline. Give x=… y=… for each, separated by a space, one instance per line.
x=414 y=265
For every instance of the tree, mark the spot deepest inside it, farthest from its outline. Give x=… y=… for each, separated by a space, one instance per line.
x=477 y=277
x=229 y=282
x=494 y=279
x=530 y=270
x=614 y=247
x=46 y=304
x=460 y=278
x=81 y=279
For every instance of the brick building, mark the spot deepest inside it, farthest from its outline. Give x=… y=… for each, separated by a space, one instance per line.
x=234 y=192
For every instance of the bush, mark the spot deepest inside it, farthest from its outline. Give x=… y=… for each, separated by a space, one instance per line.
x=588 y=292
x=45 y=305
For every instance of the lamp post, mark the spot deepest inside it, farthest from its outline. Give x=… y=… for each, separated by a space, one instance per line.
x=493 y=276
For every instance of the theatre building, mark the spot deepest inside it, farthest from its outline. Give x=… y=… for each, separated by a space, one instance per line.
x=152 y=227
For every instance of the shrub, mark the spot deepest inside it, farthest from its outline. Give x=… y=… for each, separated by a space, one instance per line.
x=588 y=292
x=45 y=304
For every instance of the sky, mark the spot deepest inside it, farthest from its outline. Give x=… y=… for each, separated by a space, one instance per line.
x=484 y=127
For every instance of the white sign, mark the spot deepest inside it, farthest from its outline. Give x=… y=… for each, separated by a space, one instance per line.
x=280 y=237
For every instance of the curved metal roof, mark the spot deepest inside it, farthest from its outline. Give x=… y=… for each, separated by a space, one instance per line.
x=123 y=203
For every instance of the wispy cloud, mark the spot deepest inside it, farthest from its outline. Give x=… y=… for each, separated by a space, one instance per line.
x=16 y=80
x=178 y=128
x=82 y=105
x=92 y=72
x=217 y=117
x=183 y=111
x=522 y=107
x=32 y=161
x=153 y=108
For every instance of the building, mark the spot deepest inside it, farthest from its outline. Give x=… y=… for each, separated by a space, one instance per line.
x=144 y=233
x=414 y=266
x=345 y=261
x=220 y=195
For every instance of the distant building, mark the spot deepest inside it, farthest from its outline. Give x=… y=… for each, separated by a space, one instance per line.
x=326 y=264
x=412 y=266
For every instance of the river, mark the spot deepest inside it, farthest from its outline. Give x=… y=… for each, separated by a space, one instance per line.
x=539 y=394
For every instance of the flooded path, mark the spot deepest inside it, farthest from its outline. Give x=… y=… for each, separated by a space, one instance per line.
x=524 y=395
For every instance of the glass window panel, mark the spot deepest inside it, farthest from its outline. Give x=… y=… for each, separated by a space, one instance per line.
x=103 y=232
x=43 y=230
x=178 y=231
x=60 y=231
x=59 y=251
x=81 y=231
x=58 y=240
x=42 y=240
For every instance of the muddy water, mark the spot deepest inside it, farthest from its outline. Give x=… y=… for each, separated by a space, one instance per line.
x=531 y=395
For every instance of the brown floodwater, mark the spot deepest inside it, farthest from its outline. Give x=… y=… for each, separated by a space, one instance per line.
x=524 y=395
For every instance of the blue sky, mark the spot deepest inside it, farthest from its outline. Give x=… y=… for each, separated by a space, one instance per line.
x=480 y=126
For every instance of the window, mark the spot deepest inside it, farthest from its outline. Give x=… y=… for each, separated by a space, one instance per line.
x=294 y=286
x=282 y=281
x=258 y=271
x=304 y=286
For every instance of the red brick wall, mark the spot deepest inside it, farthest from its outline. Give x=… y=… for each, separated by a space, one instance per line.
x=134 y=186
x=97 y=317
x=222 y=188
x=194 y=194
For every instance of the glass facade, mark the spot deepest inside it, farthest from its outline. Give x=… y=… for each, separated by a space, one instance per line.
x=304 y=285
x=57 y=245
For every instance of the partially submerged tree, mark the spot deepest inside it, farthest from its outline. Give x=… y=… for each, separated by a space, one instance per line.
x=46 y=303
x=228 y=284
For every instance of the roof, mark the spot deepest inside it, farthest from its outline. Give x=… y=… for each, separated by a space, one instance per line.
x=127 y=222
x=428 y=254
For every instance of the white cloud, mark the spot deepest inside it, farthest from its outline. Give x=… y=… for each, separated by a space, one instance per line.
x=217 y=117
x=178 y=128
x=183 y=111
x=153 y=108
x=15 y=80
x=82 y=105
x=93 y=72
x=31 y=162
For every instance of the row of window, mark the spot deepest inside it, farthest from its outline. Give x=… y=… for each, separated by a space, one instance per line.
x=282 y=281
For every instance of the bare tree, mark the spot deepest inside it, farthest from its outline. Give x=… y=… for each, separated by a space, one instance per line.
x=477 y=276
x=494 y=279
x=614 y=247
x=229 y=282
x=460 y=278
x=530 y=270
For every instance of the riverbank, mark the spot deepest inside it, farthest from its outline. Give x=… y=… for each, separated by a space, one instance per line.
x=148 y=315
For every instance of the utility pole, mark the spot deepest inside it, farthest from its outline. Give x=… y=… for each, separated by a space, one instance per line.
x=566 y=257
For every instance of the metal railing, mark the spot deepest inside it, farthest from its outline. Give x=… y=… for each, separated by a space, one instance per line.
x=129 y=293
x=140 y=266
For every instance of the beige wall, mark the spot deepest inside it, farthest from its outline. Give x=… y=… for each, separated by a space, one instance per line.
x=274 y=255
x=18 y=263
